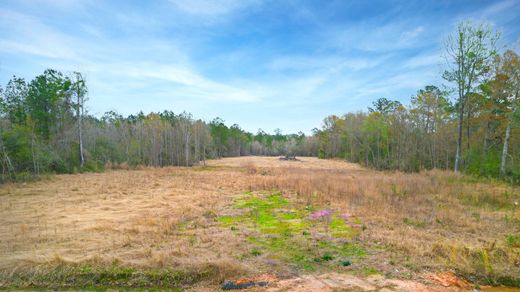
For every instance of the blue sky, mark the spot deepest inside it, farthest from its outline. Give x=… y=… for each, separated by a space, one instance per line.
x=261 y=64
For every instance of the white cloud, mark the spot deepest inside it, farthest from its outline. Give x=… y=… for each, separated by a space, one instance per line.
x=424 y=61
x=70 y=5
x=373 y=37
x=199 y=85
x=498 y=7
x=409 y=35
x=211 y=7
x=31 y=36
x=326 y=63
x=308 y=65
x=108 y=60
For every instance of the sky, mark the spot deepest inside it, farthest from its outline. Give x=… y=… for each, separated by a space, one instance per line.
x=259 y=64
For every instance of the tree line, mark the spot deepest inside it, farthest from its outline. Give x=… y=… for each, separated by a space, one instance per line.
x=470 y=125
x=44 y=128
x=475 y=131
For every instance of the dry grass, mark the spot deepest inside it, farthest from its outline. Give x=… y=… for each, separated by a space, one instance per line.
x=144 y=218
x=428 y=220
x=166 y=217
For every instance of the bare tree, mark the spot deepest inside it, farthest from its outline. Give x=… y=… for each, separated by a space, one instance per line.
x=468 y=54
x=506 y=89
x=79 y=90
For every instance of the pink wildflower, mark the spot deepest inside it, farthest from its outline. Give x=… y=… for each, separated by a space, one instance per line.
x=345 y=216
x=321 y=215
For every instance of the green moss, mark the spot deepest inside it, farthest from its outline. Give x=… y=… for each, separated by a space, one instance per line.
x=227 y=220
x=339 y=228
x=290 y=215
x=271 y=202
x=286 y=232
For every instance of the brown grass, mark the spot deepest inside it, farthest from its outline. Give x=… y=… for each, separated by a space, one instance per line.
x=165 y=217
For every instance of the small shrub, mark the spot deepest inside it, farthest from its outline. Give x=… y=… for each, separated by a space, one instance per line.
x=327 y=257
x=251 y=168
x=513 y=240
x=256 y=252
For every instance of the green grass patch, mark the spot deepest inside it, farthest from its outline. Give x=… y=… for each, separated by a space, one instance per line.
x=513 y=240
x=261 y=203
x=103 y=277
x=367 y=271
x=284 y=231
x=339 y=228
x=228 y=221
x=413 y=222
x=345 y=250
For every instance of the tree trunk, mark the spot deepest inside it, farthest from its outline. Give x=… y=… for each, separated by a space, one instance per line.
x=459 y=138
x=80 y=134
x=468 y=130
x=504 y=150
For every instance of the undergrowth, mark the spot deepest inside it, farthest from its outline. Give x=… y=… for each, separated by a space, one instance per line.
x=90 y=277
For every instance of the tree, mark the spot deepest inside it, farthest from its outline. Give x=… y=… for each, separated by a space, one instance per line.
x=2 y=102
x=506 y=89
x=48 y=102
x=79 y=90
x=219 y=134
x=384 y=106
x=14 y=100
x=429 y=108
x=468 y=54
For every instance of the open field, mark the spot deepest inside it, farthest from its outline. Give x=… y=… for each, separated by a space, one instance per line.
x=179 y=227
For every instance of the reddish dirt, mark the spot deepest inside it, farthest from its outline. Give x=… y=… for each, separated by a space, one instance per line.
x=446 y=281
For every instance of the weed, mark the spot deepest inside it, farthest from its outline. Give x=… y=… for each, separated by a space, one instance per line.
x=102 y=277
x=412 y=222
x=256 y=252
x=513 y=240
x=367 y=271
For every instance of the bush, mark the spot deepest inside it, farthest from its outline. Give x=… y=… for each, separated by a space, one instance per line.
x=513 y=240
x=17 y=143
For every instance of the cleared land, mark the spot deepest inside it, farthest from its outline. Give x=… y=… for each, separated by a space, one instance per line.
x=179 y=227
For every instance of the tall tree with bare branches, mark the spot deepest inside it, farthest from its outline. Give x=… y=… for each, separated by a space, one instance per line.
x=469 y=53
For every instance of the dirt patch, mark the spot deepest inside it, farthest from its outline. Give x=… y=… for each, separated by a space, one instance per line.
x=345 y=282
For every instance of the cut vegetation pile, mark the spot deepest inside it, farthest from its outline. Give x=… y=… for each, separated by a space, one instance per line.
x=179 y=227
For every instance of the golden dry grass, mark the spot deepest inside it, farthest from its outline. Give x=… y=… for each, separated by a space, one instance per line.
x=133 y=216
x=166 y=217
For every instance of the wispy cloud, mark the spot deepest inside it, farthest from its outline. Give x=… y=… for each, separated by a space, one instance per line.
x=31 y=36
x=197 y=84
x=262 y=64
x=212 y=8
x=428 y=60
x=498 y=7
x=322 y=62
x=410 y=35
